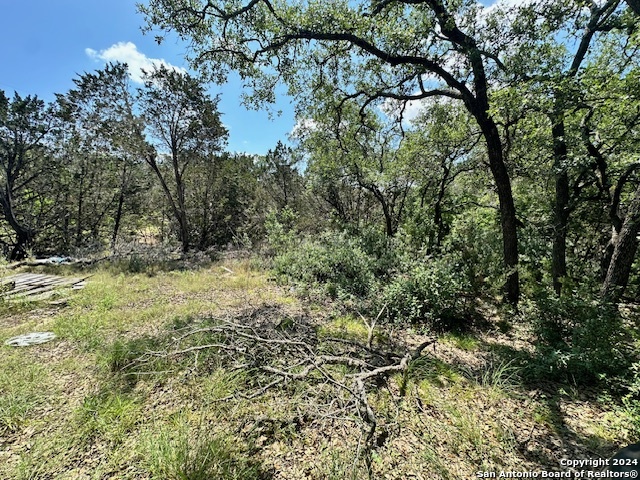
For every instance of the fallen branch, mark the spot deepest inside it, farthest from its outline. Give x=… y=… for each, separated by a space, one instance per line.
x=300 y=355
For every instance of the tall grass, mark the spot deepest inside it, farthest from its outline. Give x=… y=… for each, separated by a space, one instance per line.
x=182 y=451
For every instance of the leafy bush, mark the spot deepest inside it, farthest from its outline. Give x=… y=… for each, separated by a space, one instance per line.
x=629 y=413
x=434 y=291
x=387 y=253
x=578 y=338
x=368 y=268
x=281 y=234
x=335 y=261
x=475 y=241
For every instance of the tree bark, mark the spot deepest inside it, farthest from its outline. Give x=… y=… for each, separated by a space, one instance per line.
x=80 y=211
x=478 y=106
x=624 y=250
x=508 y=220
x=391 y=219
x=180 y=194
x=24 y=235
x=438 y=220
x=179 y=215
x=121 y=197
x=509 y=231
x=561 y=205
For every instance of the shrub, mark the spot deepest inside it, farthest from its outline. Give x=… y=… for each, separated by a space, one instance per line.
x=281 y=234
x=369 y=269
x=335 y=261
x=475 y=242
x=629 y=413
x=578 y=338
x=434 y=291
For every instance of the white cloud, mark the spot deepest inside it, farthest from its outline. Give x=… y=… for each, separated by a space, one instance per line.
x=303 y=127
x=412 y=108
x=127 y=52
x=507 y=4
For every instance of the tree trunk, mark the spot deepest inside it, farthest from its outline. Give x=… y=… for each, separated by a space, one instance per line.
x=184 y=233
x=607 y=254
x=180 y=194
x=19 y=251
x=389 y=226
x=80 y=212
x=66 y=234
x=24 y=235
x=561 y=206
x=624 y=250
x=508 y=219
x=441 y=228
x=560 y=228
x=178 y=212
x=121 y=196
x=117 y=219
x=204 y=225
x=477 y=103
x=635 y=6
x=182 y=220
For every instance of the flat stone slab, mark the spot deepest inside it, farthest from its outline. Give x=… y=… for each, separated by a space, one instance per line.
x=27 y=339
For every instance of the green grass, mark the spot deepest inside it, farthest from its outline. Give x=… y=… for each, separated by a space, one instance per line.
x=461 y=340
x=339 y=465
x=347 y=327
x=436 y=463
x=100 y=402
x=220 y=384
x=108 y=416
x=118 y=305
x=21 y=384
x=500 y=375
x=181 y=450
x=433 y=371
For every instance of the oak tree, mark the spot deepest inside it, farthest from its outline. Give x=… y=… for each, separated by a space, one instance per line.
x=364 y=51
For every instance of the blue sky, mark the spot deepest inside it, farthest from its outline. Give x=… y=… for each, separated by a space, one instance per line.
x=47 y=43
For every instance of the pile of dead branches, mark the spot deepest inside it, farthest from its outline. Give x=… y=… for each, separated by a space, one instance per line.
x=279 y=352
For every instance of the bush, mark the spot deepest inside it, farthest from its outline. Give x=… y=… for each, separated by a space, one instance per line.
x=581 y=339
x=369 y=269
x=475 y=242
x=281 y=234
x=629 y=413
x=434 y=291
x=335 y=261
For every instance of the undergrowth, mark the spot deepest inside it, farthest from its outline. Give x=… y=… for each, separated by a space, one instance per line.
x=112 y=396
x=180 y=450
